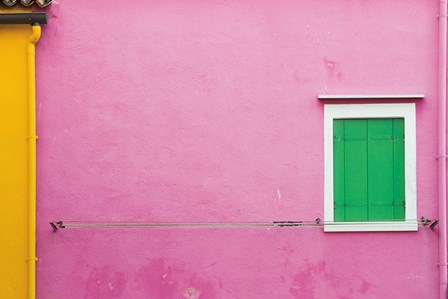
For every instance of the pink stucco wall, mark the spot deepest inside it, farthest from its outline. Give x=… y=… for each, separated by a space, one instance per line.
x=206 y=111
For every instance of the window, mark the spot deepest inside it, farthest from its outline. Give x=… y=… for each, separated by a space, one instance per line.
x=370 y=179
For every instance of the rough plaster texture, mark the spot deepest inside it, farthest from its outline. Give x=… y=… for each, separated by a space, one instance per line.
x=206 y=111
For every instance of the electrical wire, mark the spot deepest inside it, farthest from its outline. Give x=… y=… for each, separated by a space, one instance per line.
x=302 y=223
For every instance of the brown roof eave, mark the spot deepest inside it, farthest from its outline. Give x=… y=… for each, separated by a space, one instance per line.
x=41 y=3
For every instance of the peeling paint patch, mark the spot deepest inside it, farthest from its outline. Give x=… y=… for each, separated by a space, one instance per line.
x=105 y=283
x=365 y=286
x=158 y=279
x=40 y=107
x=414 y=276
x=333 y=69
x=205 y=288
x=191 y=293
x=331 y=64
x=309 y=281
x=303 y=284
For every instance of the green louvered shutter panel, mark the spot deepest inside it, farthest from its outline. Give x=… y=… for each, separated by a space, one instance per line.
x=368 y=169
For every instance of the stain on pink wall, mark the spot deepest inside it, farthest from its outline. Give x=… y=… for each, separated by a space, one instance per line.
x=206 y=111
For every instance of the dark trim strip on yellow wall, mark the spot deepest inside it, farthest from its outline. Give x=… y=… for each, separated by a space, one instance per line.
x=23 y=18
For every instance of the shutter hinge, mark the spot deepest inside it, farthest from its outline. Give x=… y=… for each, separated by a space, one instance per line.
x=336 y=139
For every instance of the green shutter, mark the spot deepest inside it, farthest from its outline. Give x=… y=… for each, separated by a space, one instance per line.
x=339 y=174
x=355 y=134
x=381 y=169
x=368 y=169
x=399 y=197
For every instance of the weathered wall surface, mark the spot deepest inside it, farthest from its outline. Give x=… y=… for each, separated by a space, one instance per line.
x=206 y=111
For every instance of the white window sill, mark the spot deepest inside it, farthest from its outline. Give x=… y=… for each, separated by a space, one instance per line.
x=412 y=96
x=393 y=226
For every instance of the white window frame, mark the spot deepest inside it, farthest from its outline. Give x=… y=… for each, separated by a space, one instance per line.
x=353 y=111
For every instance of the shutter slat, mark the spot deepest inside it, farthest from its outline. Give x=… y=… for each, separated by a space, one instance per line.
x=399 y=191
x=380 y=169
x=338 y=170
x=356 y=170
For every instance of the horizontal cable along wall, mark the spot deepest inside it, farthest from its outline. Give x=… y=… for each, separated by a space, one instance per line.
x=423 y=222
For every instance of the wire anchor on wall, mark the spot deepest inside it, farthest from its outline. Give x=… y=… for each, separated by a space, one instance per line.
x=432 y=223
x=55 y=225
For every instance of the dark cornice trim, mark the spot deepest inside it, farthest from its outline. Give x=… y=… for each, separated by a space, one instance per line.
x=23 y=18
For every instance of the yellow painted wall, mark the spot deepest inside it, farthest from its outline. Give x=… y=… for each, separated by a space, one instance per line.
x=13 y=160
